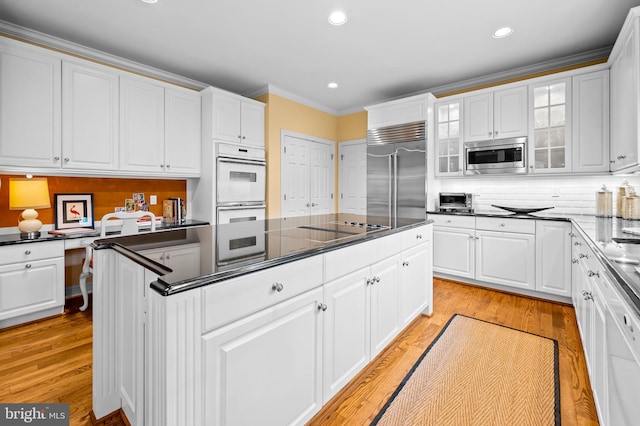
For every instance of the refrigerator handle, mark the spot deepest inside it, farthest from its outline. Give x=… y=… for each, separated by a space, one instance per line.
x=390 y=183
x=395 y=188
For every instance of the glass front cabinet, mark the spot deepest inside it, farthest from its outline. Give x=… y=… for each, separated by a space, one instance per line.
x=550 y=126
x=448 y=146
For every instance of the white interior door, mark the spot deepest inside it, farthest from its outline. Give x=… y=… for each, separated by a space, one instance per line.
x=295 y=177
x=307 y=175
x=352 y=177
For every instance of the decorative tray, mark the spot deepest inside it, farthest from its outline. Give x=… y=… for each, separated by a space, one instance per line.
x=522 y=210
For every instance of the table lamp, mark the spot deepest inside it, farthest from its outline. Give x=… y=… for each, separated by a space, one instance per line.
x=28 y=194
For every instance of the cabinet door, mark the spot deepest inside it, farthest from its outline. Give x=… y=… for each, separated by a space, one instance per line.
x=553 y=253
x=182 y=132
x=252 y=124
x=89 y=117
x=624 y=103
x=141 y=125
x=384 y=293
x=184 y=260
x=30 y=287
x=510 y=113
x=346 y=330
x=550 y=127
x=478 y=117
x=30 y=83
x=449 y=152
x=416 y=275
x=506 y=258
x=591 y=122
x=226 y=118
x=256 y=373
x=454 y=251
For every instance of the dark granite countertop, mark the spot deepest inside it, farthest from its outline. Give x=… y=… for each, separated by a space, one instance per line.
x=617 y=250
x=235 y=249
x=9 y=239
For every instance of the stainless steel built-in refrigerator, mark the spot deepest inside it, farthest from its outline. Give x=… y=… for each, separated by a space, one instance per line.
x=396 y=173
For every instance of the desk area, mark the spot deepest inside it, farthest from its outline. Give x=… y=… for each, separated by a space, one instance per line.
x=32 y=272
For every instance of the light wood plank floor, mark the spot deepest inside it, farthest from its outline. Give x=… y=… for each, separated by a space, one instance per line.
x=50 y=360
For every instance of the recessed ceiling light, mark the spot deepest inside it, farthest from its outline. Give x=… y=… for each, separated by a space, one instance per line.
x=150 y=1
x=503 y=32
x=332 y=85
x=337 y=18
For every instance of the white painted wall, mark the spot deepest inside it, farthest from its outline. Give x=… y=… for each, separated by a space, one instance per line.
x=567 y=194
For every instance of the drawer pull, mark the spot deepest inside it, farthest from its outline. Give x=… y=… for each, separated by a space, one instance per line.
x=448 y=221
x=277 y=287
x=322 y=307
x=27 y=252
x=27 y=266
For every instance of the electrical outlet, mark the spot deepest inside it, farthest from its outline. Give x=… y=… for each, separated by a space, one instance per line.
x=153 y=200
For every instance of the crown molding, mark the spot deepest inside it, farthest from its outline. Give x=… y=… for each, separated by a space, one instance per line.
x=47 y=41
x=522 y=72
x=275 y=90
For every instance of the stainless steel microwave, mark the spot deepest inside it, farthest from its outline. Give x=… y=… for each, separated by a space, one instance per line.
x=496 y=157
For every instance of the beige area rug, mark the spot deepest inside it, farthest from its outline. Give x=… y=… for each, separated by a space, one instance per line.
x=479 y=373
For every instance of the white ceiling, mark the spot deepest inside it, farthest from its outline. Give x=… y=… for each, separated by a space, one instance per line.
x=387 y=49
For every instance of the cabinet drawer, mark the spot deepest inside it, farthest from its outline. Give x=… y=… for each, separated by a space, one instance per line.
x=415 y=236
x=346 y=260
x=453 y=221
x=522 y=226
x=240 y=151
x=238 y=297
x=31 y=251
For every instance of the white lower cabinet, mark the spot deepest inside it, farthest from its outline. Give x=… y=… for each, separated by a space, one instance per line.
x=266 y=368
x=506 y=258
x=527 y=254
x=385 y=307
x=31 y=282
x=183 y=259
x=416 y=283
x=346 y=330
x=454 y=252
x=553 y=252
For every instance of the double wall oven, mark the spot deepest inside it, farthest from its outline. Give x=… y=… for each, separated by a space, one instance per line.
x=240 y=204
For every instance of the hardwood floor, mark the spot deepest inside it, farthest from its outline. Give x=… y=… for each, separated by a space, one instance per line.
x=361 y=400
x=50 y=360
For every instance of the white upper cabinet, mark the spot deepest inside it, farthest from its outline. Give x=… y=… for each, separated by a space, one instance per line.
x=89 y=116
x=182 y=131
x=550 y=126
x=449 y=153
x=234 y=118
x=406 y=110
x=142 y=125
x=591 y=122
x=30 y=106
x=625 y=94
x=496 y=115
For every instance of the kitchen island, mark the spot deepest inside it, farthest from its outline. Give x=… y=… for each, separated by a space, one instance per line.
x=254 y=322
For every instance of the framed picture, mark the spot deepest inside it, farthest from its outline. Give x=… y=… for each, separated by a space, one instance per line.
x=73 y=211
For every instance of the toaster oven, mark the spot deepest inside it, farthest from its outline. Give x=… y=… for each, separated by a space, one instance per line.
x=455 y=202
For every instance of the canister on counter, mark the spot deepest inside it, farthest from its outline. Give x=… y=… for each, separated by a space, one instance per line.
x=604 y=204
x=632 y=205
x=622 y=192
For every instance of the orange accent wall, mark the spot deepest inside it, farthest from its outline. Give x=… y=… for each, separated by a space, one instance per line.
x=108 y=193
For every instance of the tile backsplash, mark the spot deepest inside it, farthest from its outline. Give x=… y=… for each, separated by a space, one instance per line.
x=567 y=194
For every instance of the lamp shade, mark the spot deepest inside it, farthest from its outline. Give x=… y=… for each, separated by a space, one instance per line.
x=27 y=193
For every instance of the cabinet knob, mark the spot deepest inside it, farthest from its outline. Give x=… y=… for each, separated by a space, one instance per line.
x=308 y=204
x=405 y=263
x=587 y=295
x=27 y=266
x=66 y=159
x=56 y=159
x=502 y=224
x=448 y=221
x=27 y=252
x=168 y=165
x=531 y=166
x=376 y=279
x=368 y=281
x=313 y=204
x=577 y=243
x=583 y=256
x=277 y=287
x=239 y=136
x=244 y=137
x=489 y=133
x=162 y=166
x=593 y=274
x=419 y=237
x=612 y=161
x=495 y=133
x=574 y=260
x=322 y=307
